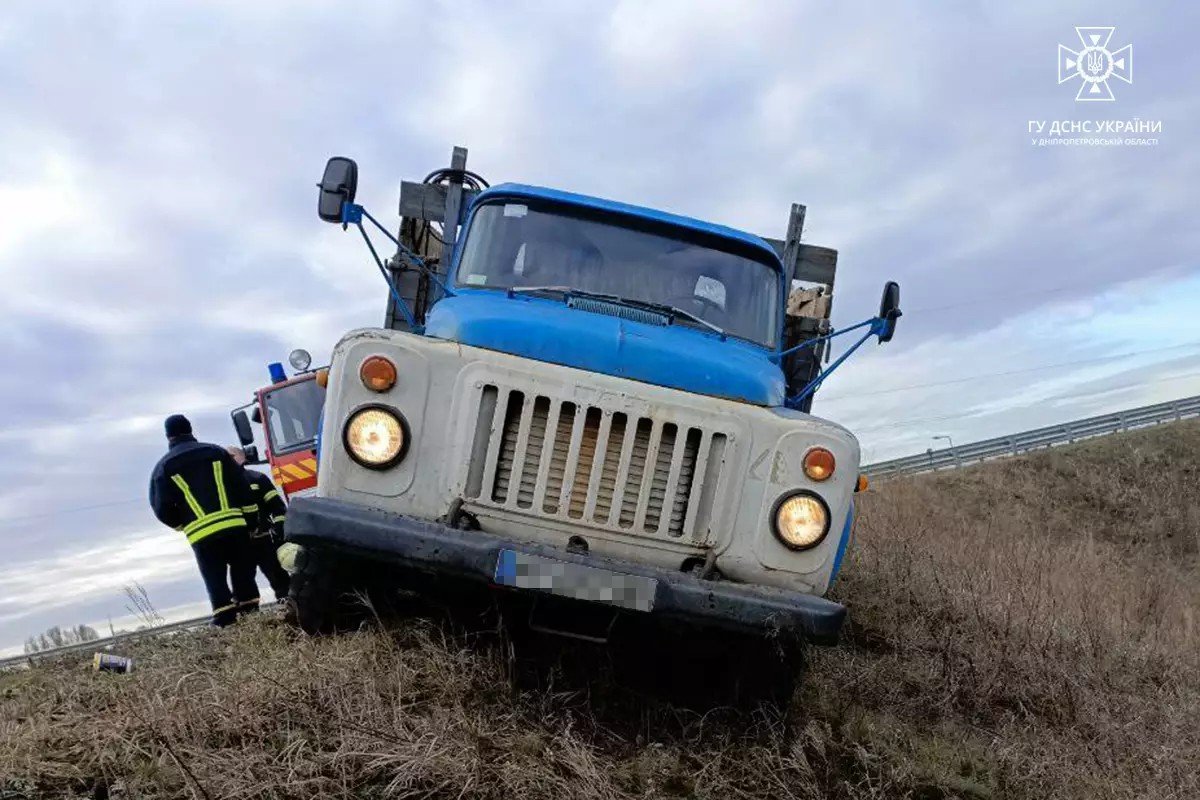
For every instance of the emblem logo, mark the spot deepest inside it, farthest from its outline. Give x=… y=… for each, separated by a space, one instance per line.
x=1095 y=64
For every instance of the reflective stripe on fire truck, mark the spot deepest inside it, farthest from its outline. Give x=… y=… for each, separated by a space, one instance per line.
x=207 y=524
x=300 y=470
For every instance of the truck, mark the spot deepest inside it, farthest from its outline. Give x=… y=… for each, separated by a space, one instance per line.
x=593 y=412
x=289 y=413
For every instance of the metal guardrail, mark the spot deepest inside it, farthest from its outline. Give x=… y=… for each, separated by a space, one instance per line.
x=1040 y=438
x=106 y=642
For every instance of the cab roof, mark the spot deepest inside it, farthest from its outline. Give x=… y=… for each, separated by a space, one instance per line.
x=520 y=190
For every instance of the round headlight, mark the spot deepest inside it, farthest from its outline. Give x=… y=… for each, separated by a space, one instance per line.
x=299 y=359
x=801 y=520
x=376 y=437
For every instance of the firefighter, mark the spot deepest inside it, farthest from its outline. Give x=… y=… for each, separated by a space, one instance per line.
x=269 y=534
x=197 y=488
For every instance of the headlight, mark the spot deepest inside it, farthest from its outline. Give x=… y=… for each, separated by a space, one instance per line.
x=376 y=437
x=299 y=359
x=801 y=520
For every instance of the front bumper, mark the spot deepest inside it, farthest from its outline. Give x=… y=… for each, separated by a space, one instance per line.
x=432 y=547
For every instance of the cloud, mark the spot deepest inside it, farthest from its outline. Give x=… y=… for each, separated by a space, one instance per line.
x=88 y=573
x=1133 y=344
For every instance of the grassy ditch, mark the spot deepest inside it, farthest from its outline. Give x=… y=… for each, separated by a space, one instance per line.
x=1025 y=628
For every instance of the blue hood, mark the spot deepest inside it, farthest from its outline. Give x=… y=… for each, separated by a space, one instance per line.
x=547 y=330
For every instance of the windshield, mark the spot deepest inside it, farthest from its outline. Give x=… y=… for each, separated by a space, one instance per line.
x=513 y=245
x=293 y=413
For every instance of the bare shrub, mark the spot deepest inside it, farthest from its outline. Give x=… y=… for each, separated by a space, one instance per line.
x=141 y=606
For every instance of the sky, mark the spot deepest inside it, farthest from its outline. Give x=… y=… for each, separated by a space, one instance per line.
x=159 y=246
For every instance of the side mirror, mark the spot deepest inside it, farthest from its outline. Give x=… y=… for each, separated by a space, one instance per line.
x=338 y=185
x=889 y=310
x=241 y=424
x=251 y=454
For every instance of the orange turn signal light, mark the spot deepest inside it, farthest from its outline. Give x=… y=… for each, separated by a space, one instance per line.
x=322 y=378
x=819 y=464
x=377 y=373
x=863 y=483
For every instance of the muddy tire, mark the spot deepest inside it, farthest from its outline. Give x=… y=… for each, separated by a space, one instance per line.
x=331 y=592
x=316 y=597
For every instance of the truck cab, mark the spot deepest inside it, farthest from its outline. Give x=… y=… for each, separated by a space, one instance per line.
x=584 y=403
x=289 y=412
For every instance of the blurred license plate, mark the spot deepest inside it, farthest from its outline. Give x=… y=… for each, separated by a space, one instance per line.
x=525 y=571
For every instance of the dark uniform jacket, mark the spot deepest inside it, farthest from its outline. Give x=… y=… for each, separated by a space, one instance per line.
x=199 y=489
x=271 y=509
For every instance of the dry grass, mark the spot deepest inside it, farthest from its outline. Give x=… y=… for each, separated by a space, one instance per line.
x=1023 y=629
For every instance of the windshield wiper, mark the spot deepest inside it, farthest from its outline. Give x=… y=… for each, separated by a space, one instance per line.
x=663 y=307
x=649 y=305
x=512 y=290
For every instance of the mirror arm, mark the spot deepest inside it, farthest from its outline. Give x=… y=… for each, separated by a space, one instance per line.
x=400 y=304
x=879 y=325
x=353 y=213
x=875 y=323
x=813 y=342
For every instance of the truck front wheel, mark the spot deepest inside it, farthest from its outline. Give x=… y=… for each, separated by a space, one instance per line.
x=316 y=598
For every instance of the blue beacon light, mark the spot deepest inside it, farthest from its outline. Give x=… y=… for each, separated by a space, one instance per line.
x=277 y=373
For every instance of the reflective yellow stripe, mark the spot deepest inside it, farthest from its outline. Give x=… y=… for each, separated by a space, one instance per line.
x=215 y=527
x=205 y=522
x=254 y=486
x=269 y=495
x=249 y=509
x=311 y=463
x=279 y=518
x=219 y=476
x=295 y=471
x=187 y=495
x=216 y=516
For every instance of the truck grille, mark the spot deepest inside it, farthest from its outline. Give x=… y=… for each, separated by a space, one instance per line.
x=600 y=467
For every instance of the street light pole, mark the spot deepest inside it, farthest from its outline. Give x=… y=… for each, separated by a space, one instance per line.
x=957 y=461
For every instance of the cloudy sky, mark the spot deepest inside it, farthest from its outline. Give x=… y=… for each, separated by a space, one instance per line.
x=158 y=242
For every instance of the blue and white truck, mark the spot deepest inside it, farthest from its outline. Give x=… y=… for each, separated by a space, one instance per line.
x=598 y=409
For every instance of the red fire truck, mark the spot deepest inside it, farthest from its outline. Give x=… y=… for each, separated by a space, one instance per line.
x=289 y=411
